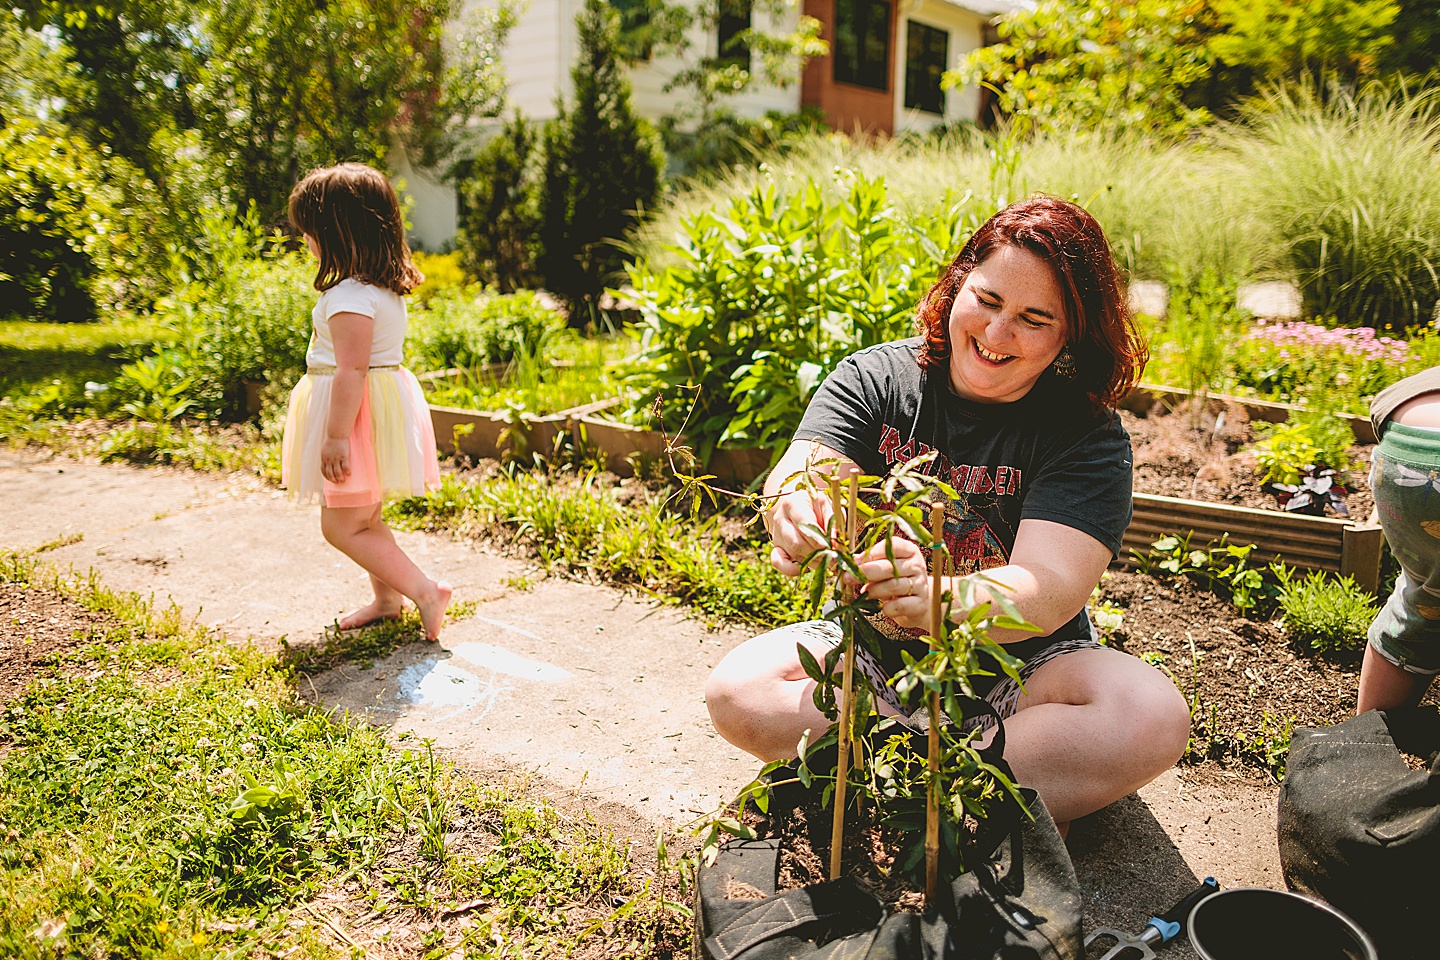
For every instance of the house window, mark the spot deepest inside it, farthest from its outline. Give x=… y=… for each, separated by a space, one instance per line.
x=734 y=20
x=927 y=51
x=862 y=43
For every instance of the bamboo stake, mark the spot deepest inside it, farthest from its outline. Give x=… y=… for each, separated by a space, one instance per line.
x=846 y=721
x=853 y=536
x=932 y=798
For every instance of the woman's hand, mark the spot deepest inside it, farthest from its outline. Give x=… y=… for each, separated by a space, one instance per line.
x=335 y=460
x=784 y=519
x=902 y=587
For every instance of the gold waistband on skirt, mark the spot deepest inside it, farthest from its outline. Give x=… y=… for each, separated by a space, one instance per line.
x=328 y=369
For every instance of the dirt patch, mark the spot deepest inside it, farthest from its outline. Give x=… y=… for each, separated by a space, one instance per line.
x=376 y=911
x=38 y=630
x=1211 y=459
x=1246 y=681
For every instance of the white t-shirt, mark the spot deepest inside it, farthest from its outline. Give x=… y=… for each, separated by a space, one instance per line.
x=355 y=296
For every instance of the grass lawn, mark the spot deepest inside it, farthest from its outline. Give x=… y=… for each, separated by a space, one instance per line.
x=35 y=355
x=167 y=793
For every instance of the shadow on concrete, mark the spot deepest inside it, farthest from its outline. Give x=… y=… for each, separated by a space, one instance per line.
x=1129 y=871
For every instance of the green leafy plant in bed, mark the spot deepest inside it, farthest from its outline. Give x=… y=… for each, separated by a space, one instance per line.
x=1220 y=566
x=1330 y=614
x=763 y=295
x=1311 y=438
x=572 y=371
x=464 y=327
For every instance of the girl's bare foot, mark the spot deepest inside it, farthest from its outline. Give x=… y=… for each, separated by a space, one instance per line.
x=432 y=610
x=372 y=612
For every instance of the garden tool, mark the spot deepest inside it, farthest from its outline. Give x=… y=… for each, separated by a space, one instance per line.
x=1160 y=930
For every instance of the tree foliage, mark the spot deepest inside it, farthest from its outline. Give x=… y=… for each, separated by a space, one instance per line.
x=1098 y=64
x=1290 y=39
x=275 y=87
x=1168 y=66
x=602 y=170
x=499 y=215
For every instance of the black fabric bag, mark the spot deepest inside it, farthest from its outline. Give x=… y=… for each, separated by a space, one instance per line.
x=1022 y=903
x=1360 y=829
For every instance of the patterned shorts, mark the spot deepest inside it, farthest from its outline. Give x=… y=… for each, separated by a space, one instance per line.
x=1001 y=692
x=1405 y=478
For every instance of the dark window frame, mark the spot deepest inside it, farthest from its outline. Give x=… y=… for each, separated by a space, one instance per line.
x=861 y=52
x=922 y=71
x=735 y=17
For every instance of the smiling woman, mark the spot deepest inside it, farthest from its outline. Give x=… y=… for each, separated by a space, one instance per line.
x=1025 y=345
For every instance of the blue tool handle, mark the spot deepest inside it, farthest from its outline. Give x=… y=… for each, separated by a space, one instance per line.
x=1168 y=924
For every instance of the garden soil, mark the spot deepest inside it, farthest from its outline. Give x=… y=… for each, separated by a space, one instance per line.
x=600 y=692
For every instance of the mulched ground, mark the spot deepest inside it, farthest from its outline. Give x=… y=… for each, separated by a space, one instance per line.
x=38 y=630
x=1174 y=458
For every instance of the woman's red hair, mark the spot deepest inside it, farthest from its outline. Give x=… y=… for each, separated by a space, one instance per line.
x=1100 y=332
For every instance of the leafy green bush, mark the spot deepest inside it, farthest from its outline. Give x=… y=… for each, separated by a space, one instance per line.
x=765 y=298
x=1308 y=438
x=442 y=272
x=61 y=219
x=461 y=329
x=1332 y=614
x=245 y=315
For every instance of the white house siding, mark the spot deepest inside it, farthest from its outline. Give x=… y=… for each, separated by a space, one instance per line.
x=965 y=29
x=538 y=54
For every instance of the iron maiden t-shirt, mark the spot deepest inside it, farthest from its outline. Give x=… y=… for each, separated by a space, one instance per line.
x=1045 y=456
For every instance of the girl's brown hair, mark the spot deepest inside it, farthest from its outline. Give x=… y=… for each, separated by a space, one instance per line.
x=1109 y=352
x=354 y=215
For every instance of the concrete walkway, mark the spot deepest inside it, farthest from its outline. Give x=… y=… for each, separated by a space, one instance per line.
x=597 y=691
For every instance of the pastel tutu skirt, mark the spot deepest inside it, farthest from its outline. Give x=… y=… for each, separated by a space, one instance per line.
x=392 y=445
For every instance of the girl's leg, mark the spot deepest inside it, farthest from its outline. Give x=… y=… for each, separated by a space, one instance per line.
x=387 y=605
x=1384 y=685
x=360 y=534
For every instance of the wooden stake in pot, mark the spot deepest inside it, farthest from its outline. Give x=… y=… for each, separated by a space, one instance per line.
x=847 y=687
x=932 y=795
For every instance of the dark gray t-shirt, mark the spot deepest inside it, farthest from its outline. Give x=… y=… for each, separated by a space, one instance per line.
x=1045 y=456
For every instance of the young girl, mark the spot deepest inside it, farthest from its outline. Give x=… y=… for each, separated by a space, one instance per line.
x=358 y=428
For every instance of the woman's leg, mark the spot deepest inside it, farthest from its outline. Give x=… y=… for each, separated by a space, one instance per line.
x=360 y=534
x=760 y=698
x=1092 y=727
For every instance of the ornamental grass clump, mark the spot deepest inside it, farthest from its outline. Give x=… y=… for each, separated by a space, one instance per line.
x=1348 y=184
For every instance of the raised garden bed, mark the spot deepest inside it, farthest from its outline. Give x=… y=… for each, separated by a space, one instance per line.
x=1350 y=547
x=1206 y=484
x=625 y=447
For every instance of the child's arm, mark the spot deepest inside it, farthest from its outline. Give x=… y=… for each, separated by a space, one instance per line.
x=352 y=334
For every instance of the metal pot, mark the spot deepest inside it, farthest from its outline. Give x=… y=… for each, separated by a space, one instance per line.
x=1255 y=923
